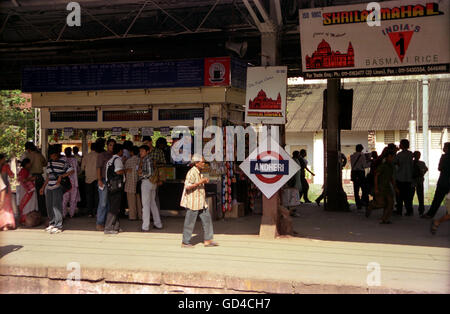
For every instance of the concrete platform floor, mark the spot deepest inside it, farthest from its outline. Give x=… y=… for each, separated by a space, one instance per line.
x=330 y=254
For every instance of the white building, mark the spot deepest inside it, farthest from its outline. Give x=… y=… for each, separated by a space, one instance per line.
x=382 y=109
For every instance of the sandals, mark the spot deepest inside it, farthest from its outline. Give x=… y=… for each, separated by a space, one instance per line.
x=212 y=244
x=433 y=228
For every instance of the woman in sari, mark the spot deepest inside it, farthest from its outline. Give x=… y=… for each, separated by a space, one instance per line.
x=73 y=195
x=28 y=197
x=7 y=221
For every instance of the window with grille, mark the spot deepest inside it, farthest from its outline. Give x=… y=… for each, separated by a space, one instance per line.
x=180 y=114
x=419 y=140
x=128 y=115
x=404 y=134
x=436 y=140
x=389 y=137
x=73 y=116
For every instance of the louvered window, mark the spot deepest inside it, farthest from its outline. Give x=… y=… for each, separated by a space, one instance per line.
x=389 y=137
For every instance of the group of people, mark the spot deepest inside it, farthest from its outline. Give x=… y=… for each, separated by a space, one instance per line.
x=120 y=170
x=395 y=177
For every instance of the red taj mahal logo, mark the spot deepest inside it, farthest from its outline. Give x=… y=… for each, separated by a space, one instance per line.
x=324 y=57
x=262 y=102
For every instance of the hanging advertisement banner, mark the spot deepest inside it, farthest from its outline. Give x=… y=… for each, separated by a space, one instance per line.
x=410 y=37
x=116 y=131
x=265 y=99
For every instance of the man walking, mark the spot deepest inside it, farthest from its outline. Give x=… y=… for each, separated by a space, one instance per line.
x=194 y=200
x=403 y=162
x=103 y=204
x=443 y=184
x=358 y=176
x=304 y=182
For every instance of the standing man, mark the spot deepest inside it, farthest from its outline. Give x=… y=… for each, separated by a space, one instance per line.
x=304 y=182
x=418 y=177
x=114 y=171
x=404 y=171
x=56 y=170
x=103 y=203
x=134 y=200
x=38 y=162
x=89 y=166
x=358 y=176
x=443 y=184
x=193 y=199
x=148 y=191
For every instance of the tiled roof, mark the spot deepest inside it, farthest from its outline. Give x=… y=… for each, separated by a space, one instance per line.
x=381 y=105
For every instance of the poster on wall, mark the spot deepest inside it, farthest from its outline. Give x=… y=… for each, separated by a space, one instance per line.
x=411 y=37
x=217 y=71
x=265 y=99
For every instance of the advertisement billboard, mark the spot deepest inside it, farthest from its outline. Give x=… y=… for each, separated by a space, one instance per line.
x=411 y=37
x=265 y=99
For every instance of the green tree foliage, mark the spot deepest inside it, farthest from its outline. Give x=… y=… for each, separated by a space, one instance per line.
x=16 y=123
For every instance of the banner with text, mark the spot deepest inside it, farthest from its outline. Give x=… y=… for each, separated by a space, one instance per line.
x=265 y=100
x=412 y=37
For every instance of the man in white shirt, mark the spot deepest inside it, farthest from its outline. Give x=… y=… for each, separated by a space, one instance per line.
x=112 y=225
x=358 y=176
x=404 y=166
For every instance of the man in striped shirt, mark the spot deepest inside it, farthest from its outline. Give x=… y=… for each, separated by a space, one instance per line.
x=56 y=170
x=193 y=199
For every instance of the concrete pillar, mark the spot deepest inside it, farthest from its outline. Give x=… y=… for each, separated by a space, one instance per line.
x=44 y=142
x=270 y=57
x=318 y=158
x=84 y=142
x=412 y=135
x=426 y=156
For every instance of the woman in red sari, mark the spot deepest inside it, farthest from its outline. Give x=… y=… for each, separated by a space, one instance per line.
x=7 y=221
x=28 y=199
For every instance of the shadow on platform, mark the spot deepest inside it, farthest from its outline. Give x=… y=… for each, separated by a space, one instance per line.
x=312 y=223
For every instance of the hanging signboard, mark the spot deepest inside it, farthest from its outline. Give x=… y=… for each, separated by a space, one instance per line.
x=270 y=169
x=68 y=132
x=265 y=99
x=411 y=37
x=116 y=131
x=147 y=131
x=165 y=131
x=134 y=131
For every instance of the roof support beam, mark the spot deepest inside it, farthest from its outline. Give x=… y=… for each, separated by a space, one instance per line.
x=134 y=20
x=173 y=18
x=101 y=23
x=207 y=15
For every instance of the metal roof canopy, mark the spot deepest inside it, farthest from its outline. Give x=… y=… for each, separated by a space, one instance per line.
x=34 y=32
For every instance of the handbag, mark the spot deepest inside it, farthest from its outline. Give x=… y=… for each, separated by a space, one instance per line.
x=65 y=183
x=115 y=181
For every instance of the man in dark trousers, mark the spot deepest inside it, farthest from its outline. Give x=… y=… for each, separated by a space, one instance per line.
x=403 y=162
x=304 y=182
x=358 y=176
x=419 y=171
x=443 y=184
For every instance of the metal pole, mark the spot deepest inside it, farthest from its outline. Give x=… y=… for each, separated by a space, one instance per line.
x=425 y=129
